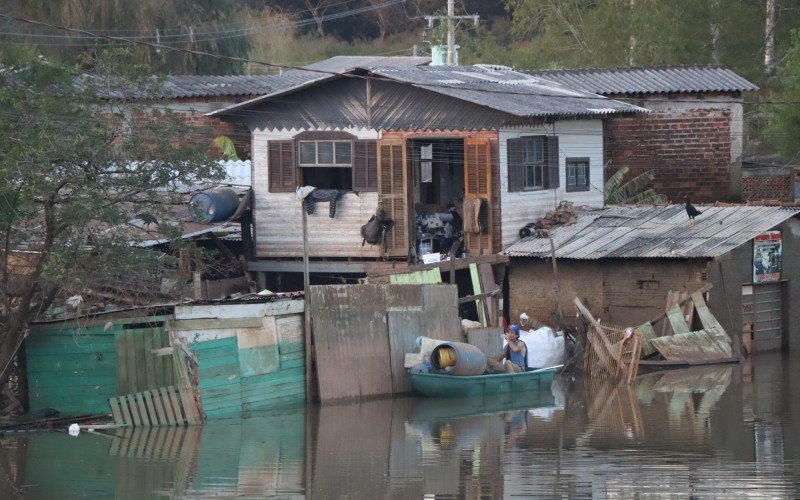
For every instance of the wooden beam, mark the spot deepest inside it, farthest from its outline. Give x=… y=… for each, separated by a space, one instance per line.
x=318 y=266
x=222 y=248
x=480 y=296
x=599 y=342
x=454 y=264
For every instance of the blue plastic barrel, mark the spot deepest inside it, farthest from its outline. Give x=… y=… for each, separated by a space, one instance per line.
x=214 y=205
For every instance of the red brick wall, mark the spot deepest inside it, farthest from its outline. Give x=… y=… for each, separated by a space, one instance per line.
x=689 y=151
x=780 y=188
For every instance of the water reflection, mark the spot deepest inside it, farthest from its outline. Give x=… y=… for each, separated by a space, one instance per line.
x=702 y=432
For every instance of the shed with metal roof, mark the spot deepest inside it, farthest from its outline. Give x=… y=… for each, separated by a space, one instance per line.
x=623 y=261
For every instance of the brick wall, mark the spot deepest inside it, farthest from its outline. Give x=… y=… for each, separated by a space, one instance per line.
x=623 y=291
x=689 y=150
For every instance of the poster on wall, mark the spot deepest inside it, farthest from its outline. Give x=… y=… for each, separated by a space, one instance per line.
x=767 y=255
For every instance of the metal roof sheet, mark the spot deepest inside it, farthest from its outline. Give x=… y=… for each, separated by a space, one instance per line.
x=341 y=64
x=654 y=232
x=657 y=80
x=500 y=89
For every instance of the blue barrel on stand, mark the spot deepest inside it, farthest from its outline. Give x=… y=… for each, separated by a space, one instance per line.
x=214 y=205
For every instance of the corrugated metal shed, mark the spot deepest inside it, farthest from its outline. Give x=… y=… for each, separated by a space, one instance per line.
x=654 y=232
x=657 y=80
x=499 y=89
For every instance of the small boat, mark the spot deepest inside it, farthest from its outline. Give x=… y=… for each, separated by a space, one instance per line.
x=459 y=386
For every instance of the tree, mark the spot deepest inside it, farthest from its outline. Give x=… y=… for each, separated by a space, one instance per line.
x=784 y=115
x=617 y=191
x=204 y=25
x=75 y=169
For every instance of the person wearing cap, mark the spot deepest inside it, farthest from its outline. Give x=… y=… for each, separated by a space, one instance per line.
x=515 y=353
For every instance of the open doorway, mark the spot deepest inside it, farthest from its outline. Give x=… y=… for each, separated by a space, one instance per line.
x=437 y=194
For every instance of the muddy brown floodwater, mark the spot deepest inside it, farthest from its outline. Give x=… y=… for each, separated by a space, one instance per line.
x=710 y=432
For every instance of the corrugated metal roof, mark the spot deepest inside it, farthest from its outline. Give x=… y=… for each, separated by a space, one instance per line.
x=657 y=80
x=342 y=64
x=501 y=89
x=654 y=232
x=507 y=90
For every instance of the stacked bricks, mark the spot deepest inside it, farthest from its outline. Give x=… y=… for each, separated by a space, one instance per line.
x=689 y=151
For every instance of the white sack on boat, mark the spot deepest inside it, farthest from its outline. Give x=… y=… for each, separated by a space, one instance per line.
x=545 y=348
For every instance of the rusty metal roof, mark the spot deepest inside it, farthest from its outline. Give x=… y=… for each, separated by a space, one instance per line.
x=497 y=88
x=656 y=80
x=654 y=232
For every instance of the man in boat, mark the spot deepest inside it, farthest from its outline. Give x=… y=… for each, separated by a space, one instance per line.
x=515 y=354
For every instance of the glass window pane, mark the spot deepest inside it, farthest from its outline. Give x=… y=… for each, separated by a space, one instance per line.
x=538 y=180
x=325 y=152
x=583 y=174
x=308 y=152
x=343 y=153
x=570 y=175
x=538 y=149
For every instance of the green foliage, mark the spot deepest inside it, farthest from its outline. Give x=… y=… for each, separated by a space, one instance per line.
x=75 y=168
x=617 y=191
x=204 y=25
x=784 y=119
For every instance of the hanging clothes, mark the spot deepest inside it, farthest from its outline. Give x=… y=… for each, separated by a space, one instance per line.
x=329 y=195
x=472 y=215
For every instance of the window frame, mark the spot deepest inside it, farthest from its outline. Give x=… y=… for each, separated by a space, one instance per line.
x=317 y=163
x=536 y=164
x=572 y=162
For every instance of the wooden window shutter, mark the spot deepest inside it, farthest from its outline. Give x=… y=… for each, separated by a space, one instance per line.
x=393 y=195
x=478 y=184
x=552 y=155
x=516 y=174
x=280 y=161
x=365 y=166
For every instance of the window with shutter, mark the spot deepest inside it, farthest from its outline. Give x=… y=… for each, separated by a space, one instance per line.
x=365 y=166
x=393 y=195
x=553 y=180
x=280 y=166
x=532 y=163
x=478 y=184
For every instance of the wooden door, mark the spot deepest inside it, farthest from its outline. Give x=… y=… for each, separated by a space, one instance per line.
x=478 y=184
x=393 y=194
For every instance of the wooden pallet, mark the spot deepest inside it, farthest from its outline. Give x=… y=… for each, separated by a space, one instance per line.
x=164 y=406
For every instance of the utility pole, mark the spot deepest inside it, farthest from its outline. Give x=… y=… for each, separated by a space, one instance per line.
x=769 y=41
x=451 y=28
x=451 y=31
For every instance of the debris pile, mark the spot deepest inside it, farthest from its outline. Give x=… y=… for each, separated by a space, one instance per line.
x=613 y=351
x=563 y=215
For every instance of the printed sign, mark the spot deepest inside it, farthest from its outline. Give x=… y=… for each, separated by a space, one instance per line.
x=767 y=254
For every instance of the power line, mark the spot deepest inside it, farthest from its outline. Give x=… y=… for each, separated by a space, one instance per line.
x=199 y=36
x=289 y=67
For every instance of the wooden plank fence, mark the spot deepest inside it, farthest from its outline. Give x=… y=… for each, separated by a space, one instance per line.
x=152 y=408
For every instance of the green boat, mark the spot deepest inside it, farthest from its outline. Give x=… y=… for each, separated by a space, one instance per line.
x=460 y=386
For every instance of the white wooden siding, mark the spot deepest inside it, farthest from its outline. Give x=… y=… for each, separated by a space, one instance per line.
x=278 y=216
x=576 y=139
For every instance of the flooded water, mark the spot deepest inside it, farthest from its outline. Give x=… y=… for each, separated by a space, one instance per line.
x=711 y=432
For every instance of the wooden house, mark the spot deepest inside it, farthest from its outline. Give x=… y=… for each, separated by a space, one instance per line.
x=418 y=142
